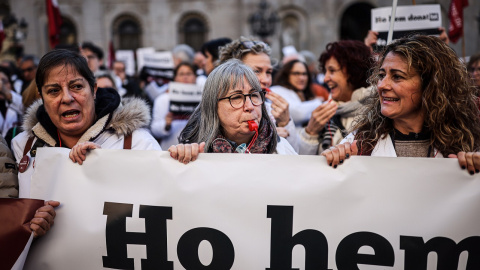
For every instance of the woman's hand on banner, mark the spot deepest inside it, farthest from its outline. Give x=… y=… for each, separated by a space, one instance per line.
x=79 y=151
x=337 y=154
x=186 y=152
x=468 y=160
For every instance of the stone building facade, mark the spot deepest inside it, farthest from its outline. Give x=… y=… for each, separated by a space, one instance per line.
x=306 y=24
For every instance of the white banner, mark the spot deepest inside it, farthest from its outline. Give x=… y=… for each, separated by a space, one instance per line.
x=127 y=209
x=425 y=19
x=127 y=57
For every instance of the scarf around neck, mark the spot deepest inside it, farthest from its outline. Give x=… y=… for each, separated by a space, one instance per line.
x=260 y=146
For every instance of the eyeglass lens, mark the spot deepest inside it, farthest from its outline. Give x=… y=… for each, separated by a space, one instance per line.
x=238 y=100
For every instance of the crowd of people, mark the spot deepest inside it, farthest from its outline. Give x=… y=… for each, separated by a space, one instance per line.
x=415 y=98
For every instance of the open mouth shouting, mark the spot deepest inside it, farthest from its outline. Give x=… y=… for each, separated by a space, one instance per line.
x=70 y=114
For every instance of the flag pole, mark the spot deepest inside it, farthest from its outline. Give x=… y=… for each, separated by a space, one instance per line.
x=392 y=21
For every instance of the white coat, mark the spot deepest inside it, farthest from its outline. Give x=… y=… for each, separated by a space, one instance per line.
x=128 y=118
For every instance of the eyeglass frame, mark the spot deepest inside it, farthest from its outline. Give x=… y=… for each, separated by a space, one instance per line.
x=296 y=74
x=262 y=95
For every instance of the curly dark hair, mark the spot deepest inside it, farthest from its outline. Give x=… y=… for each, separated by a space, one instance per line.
x=283 y=75
x=448 y=98
x=353 y=55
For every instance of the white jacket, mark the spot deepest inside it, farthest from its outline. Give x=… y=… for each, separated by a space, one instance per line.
x=284 y=148
x=129 y=118
x=300 y=111
x=160 y=111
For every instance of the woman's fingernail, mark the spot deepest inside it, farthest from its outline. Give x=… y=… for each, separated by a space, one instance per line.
x=472 y=172
x=330 y=164
x=341 y=161
x=348 y=155
x=477 y=170
x=463 y=167
x=335 y=166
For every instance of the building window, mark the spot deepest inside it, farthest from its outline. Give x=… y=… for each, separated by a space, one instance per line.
x=290 y=31
x=354 y=24
x=68 y=32
x=193 y=31
x=127 y=33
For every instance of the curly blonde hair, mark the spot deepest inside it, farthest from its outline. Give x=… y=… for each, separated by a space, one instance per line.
x=449 y=98
x=239 y=48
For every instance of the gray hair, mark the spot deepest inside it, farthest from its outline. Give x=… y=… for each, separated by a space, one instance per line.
x=183 y=52
x=238 y=48
x=310 y=57
x=204 y=123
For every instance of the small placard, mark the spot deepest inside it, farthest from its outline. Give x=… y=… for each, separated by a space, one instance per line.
x=184 y=97
x=419 y=19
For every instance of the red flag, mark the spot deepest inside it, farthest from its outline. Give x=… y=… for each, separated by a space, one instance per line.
x=455 y=14
x=15 y=216
x=2 y=34
x=54 y=22
x=111 y=55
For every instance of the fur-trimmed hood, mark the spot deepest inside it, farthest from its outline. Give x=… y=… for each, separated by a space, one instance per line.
x=130 y=114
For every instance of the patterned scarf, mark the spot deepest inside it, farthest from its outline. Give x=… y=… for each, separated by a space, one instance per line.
x=260 y=146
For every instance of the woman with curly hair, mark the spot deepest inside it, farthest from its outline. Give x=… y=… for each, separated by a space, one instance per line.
x=346 y=65
x=424 y=106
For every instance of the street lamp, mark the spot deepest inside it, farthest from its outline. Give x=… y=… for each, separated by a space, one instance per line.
x=263 y=21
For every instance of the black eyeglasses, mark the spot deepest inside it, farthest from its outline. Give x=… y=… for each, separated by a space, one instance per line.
x=299 y=73
x=238 y=100
x=249 y=44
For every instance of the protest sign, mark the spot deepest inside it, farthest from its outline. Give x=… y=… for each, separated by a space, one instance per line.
x=140 y=52
x=127 y=209
x=419 y=19
x=184 y=98
x=127 y=57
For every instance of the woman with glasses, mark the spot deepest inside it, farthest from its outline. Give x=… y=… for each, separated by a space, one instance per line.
x=231 y=118
x=293 y=83
x=165 y=125
x=256 y=55
x=346 y=65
